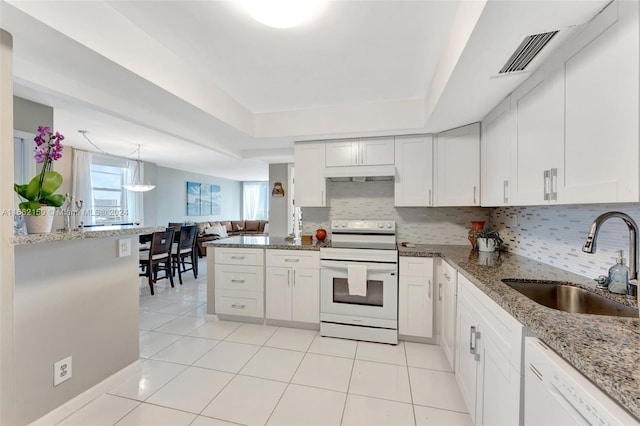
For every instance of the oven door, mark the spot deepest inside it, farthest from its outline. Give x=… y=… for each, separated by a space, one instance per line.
x=381 y=301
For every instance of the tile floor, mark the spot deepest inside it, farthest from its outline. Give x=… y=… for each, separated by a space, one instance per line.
x=210 y=372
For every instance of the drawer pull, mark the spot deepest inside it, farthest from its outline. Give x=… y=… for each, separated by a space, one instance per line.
x=237 y=281
x=292 y=260
x=237 y=306
x=237 y=257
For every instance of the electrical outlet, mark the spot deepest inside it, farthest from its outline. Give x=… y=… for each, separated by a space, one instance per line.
x=62 y=371
x=124 y=247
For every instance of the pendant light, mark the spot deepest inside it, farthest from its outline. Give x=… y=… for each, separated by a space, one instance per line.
x=136 y=184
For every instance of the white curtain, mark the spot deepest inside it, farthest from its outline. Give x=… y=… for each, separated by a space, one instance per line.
x=251 y=200
x=82 y=186
x=132 y=202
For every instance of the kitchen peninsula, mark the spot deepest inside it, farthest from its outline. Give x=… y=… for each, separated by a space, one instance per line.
x=74 y=296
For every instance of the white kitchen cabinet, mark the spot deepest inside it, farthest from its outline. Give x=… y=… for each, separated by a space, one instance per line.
x=602 y=117
x=360 y=152
x=310 y=183
x=537 y=145
x=447 y=294
x=239 y=282
x=457 y=167
x=488 y=358
x=293 y=286
x=498 y=128
x=415 y=297
x=414 y=171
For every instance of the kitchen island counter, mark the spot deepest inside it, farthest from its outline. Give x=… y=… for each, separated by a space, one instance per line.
x=266 y=242
x=605 y=349
x=93 y=232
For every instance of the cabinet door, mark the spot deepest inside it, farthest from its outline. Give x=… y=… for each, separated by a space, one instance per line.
x=457 y=167
x=538 y=142
x=602 y=116
x=342 y=153
x=376 y=151
x=466 y=364
x=498 y=386
x=278 y=297
x=310 y=183
x=414 y=165
x=305 y=306
x=497 y=130
x=415 y=297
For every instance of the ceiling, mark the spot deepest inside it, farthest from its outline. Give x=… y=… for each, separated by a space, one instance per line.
x=203 y=87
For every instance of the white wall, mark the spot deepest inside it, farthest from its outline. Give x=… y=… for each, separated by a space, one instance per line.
x=171 y=197
x=279 y=207
x=374 y=200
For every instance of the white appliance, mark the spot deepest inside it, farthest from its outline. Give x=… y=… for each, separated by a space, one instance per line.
x=557 y=394
x=359 y=281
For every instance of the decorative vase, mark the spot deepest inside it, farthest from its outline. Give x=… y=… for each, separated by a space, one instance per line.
x=476 y=226
x=486 y=245
x=40 y=223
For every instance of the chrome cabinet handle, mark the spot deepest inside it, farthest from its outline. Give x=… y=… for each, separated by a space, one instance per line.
x=429 y=289
x=505 y=191
x=294 y=277
x=237 y=257
x=237 y=281
x=474 y=194
x=236 y=306
x=472 y=332
x=288 y=277
x=292 y=260
x=430 y=203
x=547 y=177
x=553 y=185
x=439 y=291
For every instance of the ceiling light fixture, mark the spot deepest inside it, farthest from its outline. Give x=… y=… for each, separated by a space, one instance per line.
x=282 y=13
x=134 y=185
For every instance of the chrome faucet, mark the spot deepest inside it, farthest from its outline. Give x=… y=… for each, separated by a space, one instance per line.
x=590 y=243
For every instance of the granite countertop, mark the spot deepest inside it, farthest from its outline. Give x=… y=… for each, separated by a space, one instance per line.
x=94 y=232
x=265 y=242
x=605 y=349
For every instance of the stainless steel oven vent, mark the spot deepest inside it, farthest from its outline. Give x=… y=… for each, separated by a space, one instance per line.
x=530 y=47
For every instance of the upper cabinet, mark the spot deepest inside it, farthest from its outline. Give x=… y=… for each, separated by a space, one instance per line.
x=602 y=97
x=457 y=167
x=495 y=167
x=414 y=171
x=360 y=152
x=310 y=184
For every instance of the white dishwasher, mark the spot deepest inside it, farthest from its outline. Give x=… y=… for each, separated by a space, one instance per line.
x=555 y=393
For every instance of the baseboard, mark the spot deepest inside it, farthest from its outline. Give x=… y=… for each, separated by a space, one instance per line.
x=56 y=415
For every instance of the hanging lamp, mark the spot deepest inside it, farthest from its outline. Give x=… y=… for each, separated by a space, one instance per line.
x=136 y=184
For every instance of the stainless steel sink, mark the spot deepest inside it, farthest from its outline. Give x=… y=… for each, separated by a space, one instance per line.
x=569 y=298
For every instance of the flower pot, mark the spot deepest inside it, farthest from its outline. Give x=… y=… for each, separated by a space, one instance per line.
x=486 y=244
x=40 y=223
x=476 y=226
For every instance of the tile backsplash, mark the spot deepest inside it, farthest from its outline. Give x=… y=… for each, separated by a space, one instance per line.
x=551 y=234
x=374 y=200
x=555 y=234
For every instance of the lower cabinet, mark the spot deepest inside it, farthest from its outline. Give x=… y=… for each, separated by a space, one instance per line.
x=447 y=294
x=293 y=286
x=488 y=358
x=239 y=282
x=415 y=297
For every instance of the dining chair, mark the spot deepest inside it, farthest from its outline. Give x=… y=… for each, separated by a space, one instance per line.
x=183 y=252
x=158 y=257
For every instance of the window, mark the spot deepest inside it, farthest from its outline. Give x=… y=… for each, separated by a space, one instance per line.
x=108 y=195
x=255 y=200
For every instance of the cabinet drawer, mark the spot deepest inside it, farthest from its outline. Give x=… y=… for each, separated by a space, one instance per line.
x=243 y=278
x=293 y=258
x=247 y=307
x=230 y=256
x=416 y=266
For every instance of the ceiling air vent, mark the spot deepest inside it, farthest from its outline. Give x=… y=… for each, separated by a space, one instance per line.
x=530 y=47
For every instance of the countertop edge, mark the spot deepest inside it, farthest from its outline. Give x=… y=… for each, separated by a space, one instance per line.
x=20 y=240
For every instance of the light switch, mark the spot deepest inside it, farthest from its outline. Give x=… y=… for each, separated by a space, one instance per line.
x=124 y=247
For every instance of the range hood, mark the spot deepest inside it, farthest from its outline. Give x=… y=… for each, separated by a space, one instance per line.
x=360 y=173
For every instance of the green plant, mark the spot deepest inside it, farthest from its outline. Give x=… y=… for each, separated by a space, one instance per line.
x=490 y=235
x=40 y=190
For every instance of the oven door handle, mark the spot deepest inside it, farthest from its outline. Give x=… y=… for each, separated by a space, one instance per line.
x=342 y=266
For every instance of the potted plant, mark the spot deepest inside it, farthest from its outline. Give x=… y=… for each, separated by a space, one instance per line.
x=39 y=194
x=488 y=240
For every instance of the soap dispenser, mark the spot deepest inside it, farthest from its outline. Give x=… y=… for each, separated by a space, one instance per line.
x=619 y=276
